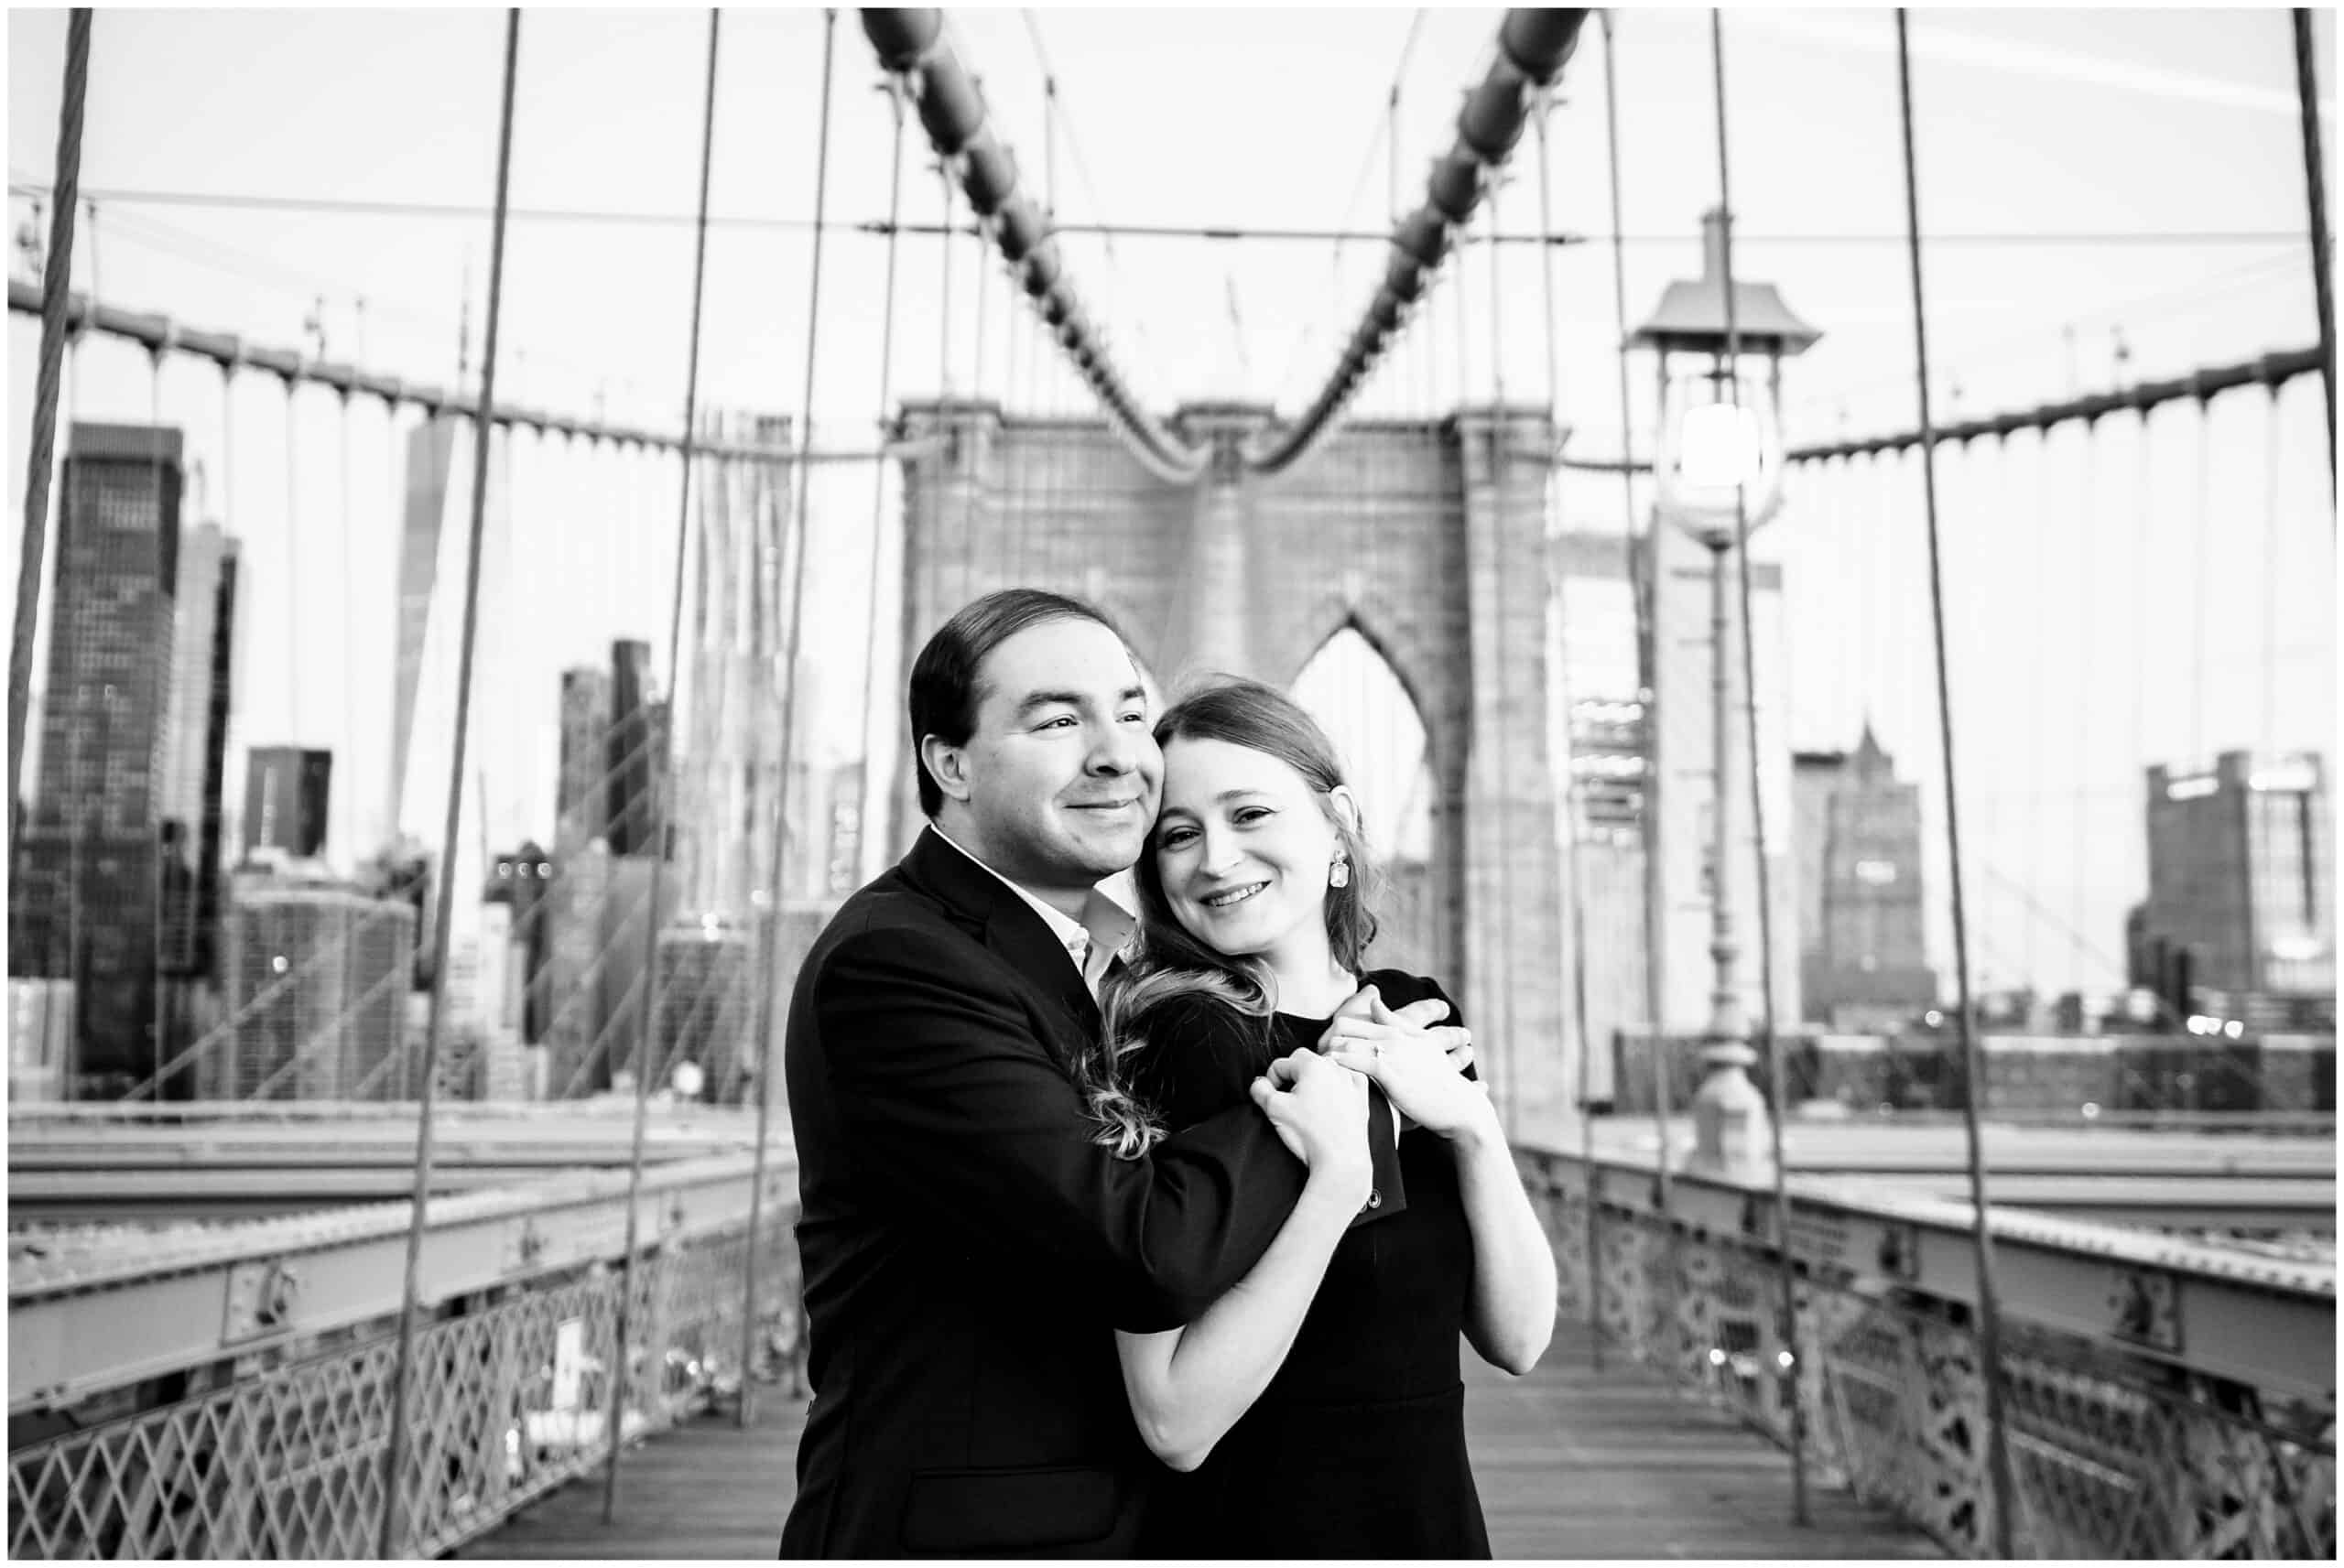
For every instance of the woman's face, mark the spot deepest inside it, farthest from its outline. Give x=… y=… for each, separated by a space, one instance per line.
x=1244 y=846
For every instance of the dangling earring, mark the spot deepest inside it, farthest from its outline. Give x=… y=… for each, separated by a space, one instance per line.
x=1339 y=874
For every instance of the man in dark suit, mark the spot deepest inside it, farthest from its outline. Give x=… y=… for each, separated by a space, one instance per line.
x=967 y=1245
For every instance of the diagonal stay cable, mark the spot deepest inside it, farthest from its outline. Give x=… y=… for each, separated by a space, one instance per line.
x=663 y=804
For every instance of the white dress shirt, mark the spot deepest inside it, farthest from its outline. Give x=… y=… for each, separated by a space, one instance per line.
x=1093 y=943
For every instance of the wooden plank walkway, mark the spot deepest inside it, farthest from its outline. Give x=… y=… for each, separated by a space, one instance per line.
x=1571 y=1465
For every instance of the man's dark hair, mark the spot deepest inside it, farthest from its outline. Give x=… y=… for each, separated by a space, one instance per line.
x=945 y=689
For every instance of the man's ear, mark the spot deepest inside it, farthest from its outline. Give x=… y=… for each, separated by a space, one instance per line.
x=1345 y=805
x=947 y=764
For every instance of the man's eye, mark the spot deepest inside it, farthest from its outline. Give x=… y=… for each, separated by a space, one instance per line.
x=1055 y=723
x=1137 y=716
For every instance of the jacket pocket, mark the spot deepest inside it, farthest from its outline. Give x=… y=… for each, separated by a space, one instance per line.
x=1003 y=1511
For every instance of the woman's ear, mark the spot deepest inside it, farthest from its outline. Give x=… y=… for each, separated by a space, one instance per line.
x=1345 y=805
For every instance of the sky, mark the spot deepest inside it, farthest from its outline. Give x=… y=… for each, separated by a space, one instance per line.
x=2087 y=177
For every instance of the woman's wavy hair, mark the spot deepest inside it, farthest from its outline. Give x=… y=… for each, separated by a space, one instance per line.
x=1168 y=964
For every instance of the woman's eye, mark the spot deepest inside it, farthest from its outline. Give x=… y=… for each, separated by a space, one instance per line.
x=1250 y=814
x=1175 y=837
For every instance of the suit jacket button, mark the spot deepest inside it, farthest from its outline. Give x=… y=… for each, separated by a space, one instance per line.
x=1374 y=1199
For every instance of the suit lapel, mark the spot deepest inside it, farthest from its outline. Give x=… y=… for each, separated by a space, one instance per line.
x=993 y=912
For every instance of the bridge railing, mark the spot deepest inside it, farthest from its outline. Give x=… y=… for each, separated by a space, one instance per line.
x=275 y=1447
x=2165 y=1400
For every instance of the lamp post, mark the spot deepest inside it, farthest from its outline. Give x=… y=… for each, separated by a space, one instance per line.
x=1719 y=469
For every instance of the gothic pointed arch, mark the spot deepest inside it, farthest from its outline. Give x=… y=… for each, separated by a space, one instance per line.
x=1378 y=725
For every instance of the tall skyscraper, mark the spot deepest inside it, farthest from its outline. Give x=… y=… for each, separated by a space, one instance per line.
x=1856 y=835
x=636 y=750
x=431 y=465
x=2240 y=869
x=317 y=981
x=88 y=870
x=582 y=803
x=434 y=547
x=286 y=792
x=522 y=879
x=195 y=749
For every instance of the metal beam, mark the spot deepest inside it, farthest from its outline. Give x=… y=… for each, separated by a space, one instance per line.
x=91 y=1314
x=2266 y=1322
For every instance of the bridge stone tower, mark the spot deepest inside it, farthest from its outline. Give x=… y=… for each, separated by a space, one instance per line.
x=1426 y=538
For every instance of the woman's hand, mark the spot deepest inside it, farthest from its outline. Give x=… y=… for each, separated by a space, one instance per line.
x=1420 y=1069
x=1320 y=1113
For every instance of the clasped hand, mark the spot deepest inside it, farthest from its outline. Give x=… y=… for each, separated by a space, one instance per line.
x=1417 y=1061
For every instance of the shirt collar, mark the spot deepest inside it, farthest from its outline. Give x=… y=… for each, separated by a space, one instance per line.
x=1106 y=923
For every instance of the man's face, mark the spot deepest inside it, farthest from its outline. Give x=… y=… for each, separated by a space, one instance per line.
x=1056 y=785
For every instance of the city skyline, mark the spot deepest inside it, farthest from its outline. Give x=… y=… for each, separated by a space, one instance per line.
x=2203 y=100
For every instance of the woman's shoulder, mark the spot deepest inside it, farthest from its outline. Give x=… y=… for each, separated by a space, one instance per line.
x=1196 y=1057
x=1398 y=988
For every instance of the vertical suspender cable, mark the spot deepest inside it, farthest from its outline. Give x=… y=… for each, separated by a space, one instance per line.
x=1497 y=466
x=1574 y=871
x=2085 y=816
x=796 y=618
x=2316 y=182
x=2267 y=737
x=57 y=271
x=1990 y=1311
x=2197 y=596
x=873 y=787
x=350 y=622
x=657 y=811
x=1645 y=565
x=162 y=699
x=293 y=731
x=394 y=1453
x=1777 y=1090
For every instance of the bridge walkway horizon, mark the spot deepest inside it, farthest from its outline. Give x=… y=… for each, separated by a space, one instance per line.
x=1571 y=1463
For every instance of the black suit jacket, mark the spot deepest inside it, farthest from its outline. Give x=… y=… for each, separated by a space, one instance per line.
x=966 y=1246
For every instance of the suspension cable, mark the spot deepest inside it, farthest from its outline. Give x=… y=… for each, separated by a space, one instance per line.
x=2268 y=736
x=1574 y=869
x=871 y=785
x=660 y=806
x=394 y=1452
x=790 y=661
x=1990 y=1311
x=56 y=278
x=1645 y=570
x=2322 y=246
x=910 y=44
x=1777 y=1091
x=1533 y=45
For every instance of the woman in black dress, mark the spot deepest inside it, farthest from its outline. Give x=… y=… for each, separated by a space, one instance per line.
x=1302 y=1425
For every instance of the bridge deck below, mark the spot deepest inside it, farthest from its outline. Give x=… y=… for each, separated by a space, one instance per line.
x=1570 y=1464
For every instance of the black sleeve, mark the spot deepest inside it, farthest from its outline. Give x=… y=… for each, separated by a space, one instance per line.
x=956 y=1108
x=1200 y=1059
x=1202 y=1056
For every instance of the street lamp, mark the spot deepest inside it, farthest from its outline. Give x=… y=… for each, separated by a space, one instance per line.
x=1719 y=474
